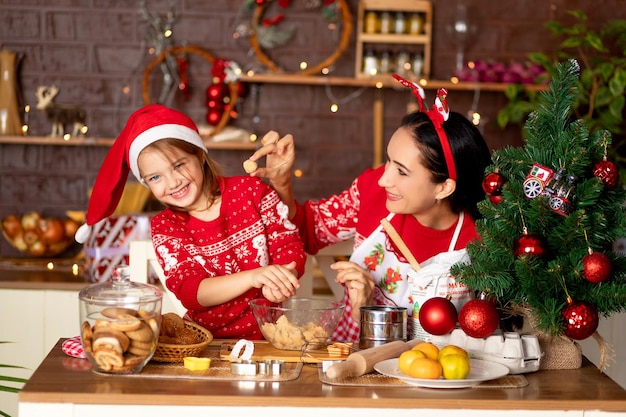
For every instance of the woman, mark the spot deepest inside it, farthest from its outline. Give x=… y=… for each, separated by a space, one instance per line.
x=428 y=190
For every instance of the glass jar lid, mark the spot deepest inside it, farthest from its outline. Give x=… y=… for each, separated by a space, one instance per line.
x=120 y=291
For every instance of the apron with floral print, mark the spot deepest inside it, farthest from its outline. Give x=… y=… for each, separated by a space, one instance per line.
x=397 y=284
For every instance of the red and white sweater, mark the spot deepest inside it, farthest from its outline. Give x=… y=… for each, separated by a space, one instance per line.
x=357 y=212
x=252 y=231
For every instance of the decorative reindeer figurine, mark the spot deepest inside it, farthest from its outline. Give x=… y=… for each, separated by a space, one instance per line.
x=60 y=114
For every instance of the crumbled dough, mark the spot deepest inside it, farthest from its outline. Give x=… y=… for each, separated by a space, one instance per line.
x=285 y=335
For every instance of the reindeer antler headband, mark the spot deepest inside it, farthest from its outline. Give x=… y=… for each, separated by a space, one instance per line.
x=437 y=115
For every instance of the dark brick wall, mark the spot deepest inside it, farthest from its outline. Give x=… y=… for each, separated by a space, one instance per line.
x=91 y=49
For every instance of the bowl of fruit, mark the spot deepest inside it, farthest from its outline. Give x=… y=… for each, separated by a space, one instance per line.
x=37 y=235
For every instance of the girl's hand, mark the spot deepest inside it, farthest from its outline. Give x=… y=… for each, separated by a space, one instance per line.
x=276 y=280
x=359 y=282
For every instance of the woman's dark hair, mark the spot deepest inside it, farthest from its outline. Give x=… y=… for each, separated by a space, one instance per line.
x=210 y=169
x=469 y=150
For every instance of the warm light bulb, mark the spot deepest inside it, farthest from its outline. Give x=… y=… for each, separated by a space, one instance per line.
x=253 y=137
x=379 y=85
x=66 y=137
x=303 y=65
x=250 y=73
x=334 y=108
x=84 y=130
x=167 y=33
x=475 y=118
x=75 y=269
x=50 y=266
x=454 y=80
x=325 y=71
x=297 y=173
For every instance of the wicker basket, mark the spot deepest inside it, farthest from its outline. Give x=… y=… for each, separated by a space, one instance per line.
x=167 y=352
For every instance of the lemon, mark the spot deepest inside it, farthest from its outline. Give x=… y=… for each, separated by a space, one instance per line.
x=405 y=359
x=455 y=366
x=452 y=349
x=196 y=364
x=425 y=368
x=430 y=350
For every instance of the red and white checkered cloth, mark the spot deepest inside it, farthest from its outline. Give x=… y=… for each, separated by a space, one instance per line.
x=73 y=347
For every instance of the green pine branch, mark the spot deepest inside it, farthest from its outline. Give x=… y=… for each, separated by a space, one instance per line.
x=555 y=139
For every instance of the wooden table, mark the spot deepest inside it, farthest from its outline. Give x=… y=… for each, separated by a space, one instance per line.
x=57 y=389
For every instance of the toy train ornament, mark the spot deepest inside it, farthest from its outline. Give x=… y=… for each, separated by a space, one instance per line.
x=555 y=186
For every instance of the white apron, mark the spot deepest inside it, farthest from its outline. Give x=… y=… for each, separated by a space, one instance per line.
x=397 y=284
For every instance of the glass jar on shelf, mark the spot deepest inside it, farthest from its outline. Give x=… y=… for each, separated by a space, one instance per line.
x=403 y=62
x=418 y=64
x=370 y=63
x=385 y=22
x=416 y=23
x=399 y=24
x=371 y=23
x=385 y=65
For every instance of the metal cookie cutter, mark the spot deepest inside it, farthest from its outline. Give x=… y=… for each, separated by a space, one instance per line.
x=271 y=367
x=245 y=367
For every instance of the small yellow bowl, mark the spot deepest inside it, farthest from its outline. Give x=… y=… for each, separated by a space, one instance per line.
x=196 y=364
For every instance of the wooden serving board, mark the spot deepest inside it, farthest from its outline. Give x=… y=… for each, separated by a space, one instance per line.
x=263 y=350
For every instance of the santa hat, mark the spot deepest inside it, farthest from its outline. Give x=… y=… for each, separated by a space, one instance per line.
x=145 y=126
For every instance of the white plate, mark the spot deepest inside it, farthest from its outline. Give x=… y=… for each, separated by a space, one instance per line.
x=479 y=371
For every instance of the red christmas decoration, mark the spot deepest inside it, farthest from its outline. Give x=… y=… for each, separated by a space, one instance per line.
x=479 y=318
x=213 y=117
x=216 y=92
x=438 y=316
x=492 y=184
x=495 y=199
x=607 y=172
x=581 y=319
x=529 y=244
x=596 y=267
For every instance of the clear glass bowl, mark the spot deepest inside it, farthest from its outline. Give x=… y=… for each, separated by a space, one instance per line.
x=119 y=323
x=297 y=322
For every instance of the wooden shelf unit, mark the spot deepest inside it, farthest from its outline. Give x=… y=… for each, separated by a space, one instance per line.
x=418 y=43
x=92 y=141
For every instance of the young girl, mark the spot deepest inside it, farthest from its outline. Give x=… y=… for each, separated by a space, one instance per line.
x=221 y=241
x=428 y=190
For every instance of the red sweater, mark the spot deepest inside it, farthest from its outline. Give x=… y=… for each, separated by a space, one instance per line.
x=357 y=212
x=252 y=231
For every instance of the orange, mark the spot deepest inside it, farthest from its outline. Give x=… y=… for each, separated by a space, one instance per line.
x=430 y=350
x=406 y=358
x=425 y=368
x=451 y=350
x=455 y=366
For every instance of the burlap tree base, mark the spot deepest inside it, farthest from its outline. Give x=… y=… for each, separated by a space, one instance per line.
x=559 y=352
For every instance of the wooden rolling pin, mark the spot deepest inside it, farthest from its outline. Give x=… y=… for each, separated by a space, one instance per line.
x=362 y=362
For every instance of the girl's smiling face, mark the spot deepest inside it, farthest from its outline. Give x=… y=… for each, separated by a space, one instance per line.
x=409 y=185
x=175 y=179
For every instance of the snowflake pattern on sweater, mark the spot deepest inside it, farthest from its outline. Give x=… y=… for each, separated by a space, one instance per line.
x=252 y=231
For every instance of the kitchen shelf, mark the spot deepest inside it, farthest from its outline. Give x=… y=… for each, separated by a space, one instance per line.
x=92 y=141
x=379 y=81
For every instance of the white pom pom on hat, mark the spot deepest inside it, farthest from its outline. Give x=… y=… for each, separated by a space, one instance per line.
x=145 y=126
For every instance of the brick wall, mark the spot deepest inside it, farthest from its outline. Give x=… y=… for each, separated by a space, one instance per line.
x=93 y=49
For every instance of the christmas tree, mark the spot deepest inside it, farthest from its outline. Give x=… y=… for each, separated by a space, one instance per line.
x=553 y=211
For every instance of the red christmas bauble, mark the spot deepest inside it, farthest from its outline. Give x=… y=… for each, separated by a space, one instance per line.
x=438 y=316
x=492 y=184
x=607 y=172
x=496 y=199
x=216 y=92
x=596 y=267
x=479 y=318
x=213 y=117
x=529 y=244
x=214 y=105
x=581 y=320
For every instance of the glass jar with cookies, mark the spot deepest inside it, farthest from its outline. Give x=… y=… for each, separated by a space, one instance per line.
x=119 y=323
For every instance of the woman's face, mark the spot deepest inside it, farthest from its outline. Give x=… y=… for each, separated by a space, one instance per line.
x=408 y=183
x=175 y=180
